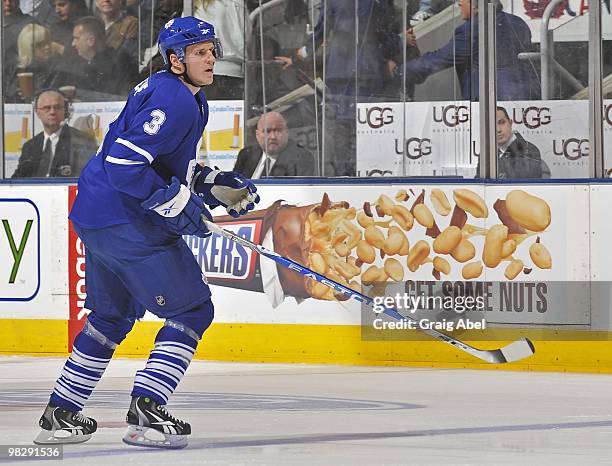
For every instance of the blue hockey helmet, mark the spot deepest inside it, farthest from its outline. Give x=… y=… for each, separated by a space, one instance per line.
x=178 y=33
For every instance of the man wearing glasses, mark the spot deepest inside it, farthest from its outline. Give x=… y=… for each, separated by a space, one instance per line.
x=59 y=150
x=275 y=154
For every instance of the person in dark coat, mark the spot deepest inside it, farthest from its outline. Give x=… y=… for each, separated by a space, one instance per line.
x=517 y=158
x=516 y=79
x=97 y=71
x=67 y=12
x=13 y=22
x=59 y=150
x=360 y=45
x=275 y=154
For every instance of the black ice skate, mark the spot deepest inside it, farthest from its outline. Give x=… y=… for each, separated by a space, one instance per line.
x=150 y=425
x=62 y=426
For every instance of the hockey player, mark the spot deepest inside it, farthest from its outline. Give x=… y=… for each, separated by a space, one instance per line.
x=141 y=192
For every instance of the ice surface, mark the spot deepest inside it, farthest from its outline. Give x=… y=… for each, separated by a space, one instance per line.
x=273 y=414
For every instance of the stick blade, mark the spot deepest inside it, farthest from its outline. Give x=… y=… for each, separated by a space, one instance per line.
x=518 y=350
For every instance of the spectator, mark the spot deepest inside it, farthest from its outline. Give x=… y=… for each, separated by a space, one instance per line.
x=67 y=12
x=229 y=21
x=275 y=154
x=37 y=55
x=517 y=157
x=41 y=10
x=92 y=66
x=516 y=79
x=361 y=44
x=121 y=28
x=59 y=150
x=13 y=22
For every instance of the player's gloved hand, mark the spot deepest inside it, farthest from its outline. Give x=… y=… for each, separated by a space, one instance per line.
x=181 y=208
x=229 y=189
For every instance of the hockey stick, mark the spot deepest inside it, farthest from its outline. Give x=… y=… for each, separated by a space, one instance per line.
x=515 y=351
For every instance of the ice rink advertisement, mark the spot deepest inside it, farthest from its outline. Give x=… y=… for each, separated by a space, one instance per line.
x=441 y=138
x=221 y=141
x=18 y=127
x=33 y=261
x=223 y=137
x=513 y=240
x=529 y=246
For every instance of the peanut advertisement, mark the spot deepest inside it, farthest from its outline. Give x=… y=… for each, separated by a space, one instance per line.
x=520 y=244
x=539 y=250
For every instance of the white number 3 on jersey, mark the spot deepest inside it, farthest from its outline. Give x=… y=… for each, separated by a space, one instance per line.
x=152 y=127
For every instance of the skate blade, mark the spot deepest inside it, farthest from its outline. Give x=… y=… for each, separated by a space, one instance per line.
x=147 y=437
x=59 y=437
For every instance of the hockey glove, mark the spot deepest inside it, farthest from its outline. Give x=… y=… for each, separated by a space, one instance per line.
x=229 y=189
x=181 y=208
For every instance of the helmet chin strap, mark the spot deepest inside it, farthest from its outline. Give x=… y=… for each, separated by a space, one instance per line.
x=186 y=77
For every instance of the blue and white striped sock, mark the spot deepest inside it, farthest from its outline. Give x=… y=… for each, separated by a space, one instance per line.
x=166 y=366
x=81 y=373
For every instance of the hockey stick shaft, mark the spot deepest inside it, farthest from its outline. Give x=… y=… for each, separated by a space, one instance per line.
x=492 y=356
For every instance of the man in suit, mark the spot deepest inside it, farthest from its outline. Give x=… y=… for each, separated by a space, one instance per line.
x=275 y=154
x=517 y=158
x=59 y=150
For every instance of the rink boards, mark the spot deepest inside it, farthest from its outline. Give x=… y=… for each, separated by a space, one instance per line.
x=263 y=314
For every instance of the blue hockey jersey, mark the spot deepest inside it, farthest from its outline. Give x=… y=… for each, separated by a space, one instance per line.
x=154 y=137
